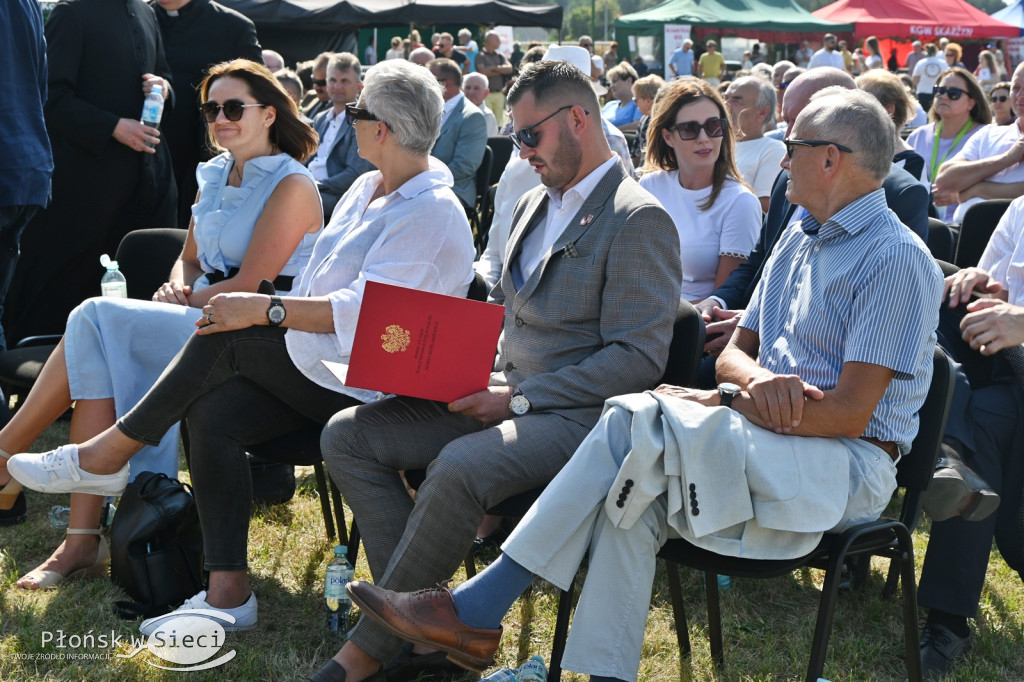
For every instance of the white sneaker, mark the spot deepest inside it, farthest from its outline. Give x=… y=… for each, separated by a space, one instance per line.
x=58 y=471
x=237 y=619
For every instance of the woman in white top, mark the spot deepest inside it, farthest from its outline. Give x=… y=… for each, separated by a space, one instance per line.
x=987 y=72
x=958 y=111
x=872 y=54
x=253 y=370
x=256 y=217
x=691 y=170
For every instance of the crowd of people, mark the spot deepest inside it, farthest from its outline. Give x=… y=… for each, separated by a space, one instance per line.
x=785 y=205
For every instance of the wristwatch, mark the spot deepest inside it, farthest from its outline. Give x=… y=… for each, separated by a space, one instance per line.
x=519 y=405
x=276 y=312
x=726 y=392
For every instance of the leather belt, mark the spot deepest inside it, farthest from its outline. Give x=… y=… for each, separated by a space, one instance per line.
x=282 y=283
x=890 y=447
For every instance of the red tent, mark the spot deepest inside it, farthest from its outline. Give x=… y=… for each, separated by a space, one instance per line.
x=924 y=20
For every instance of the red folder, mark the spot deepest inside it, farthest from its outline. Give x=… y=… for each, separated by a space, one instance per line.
x=424 y=345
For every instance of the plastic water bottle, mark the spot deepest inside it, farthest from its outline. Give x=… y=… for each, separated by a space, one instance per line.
x=113 y=282
x=336 y=599
x=503 y=675
x=153 y=107
x=60 y=516
x=533 y=670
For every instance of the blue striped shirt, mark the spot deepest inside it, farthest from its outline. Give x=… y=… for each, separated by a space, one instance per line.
x=860 y=288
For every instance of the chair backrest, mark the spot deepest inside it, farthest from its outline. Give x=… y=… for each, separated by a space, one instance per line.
x=687 y=347
x=940 y=240
x=914 y=472
x=980 y=222
x=483 y=175
x=502 y=147
x=145 y=258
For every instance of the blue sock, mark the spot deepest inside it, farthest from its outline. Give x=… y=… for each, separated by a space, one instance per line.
x=602 y=678
x=482 y=601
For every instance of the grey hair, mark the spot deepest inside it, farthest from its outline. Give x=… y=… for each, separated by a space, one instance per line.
x=345 y=61
x=475 y=76
x=766 y=97
x=421 y=52
x=465 y=32
x=408 y=98
x=762 y=70
x=856 y=119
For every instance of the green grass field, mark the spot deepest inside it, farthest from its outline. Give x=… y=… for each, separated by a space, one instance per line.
x=768 y=623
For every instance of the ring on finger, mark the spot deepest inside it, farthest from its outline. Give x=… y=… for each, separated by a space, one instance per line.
x=209 y=318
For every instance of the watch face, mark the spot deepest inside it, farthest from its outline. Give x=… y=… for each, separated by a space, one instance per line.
x=519 y=405
x=276 y=314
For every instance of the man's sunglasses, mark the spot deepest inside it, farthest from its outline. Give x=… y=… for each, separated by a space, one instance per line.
x=793 y=142
x=526 y=136
x=319 y=82
x=998 y=98
x=357 y=113
x=233 y=110
x=952 y=93
x=690 y=130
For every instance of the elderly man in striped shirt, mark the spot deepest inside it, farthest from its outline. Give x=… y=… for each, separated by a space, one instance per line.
x=823 y=397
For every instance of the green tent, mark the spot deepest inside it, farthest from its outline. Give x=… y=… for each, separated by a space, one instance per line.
x=773 y=21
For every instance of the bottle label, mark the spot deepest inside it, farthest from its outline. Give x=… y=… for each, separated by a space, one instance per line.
x=334 y=587
x=151 y=113
x=114 y=289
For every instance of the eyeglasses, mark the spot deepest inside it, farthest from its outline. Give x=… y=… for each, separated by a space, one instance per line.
x=998 y=98
x=319 y=82
x=527 y=136
x=690 y=130
x=952 y=93
x=793 y=142
x=233 y=110
x=357 y=113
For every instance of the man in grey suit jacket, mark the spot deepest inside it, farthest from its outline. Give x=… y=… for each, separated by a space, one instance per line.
x=590 y=295
x=463 y=135
x=337 y=163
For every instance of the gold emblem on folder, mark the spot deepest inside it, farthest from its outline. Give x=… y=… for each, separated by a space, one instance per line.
x=396 y=339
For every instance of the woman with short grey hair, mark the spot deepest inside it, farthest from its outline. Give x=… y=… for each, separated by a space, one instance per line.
x=412 y=98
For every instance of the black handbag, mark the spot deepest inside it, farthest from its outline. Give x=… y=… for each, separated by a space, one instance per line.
x=156 y=545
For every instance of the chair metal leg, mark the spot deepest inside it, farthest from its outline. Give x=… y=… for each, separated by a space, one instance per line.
x=561 y=632
x=714 y=618
x=892 y=579
x=325 y=504
x=339 y=516
x=826 y=611
x=470 y=564
x=910 y=634
x=675 y=590
x=353 y=543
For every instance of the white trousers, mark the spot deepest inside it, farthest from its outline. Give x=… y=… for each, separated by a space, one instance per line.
x=569 y=518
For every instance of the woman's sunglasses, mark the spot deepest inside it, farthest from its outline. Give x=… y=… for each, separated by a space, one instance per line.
x=952 y=93
x=233 y=110
x=357 y=113
x=690 y=130
x=998 y=98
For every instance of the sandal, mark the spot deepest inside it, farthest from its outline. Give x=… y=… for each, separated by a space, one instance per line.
x=9 y=493
x=46 y=580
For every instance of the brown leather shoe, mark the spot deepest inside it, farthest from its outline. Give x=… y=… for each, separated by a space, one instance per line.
x=428 y=617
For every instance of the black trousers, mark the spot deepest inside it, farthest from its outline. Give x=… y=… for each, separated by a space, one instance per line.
x=235 y=389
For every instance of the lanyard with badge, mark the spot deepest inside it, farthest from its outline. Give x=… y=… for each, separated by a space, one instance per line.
x=935 y=146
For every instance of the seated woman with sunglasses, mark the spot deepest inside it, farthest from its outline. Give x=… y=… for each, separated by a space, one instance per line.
x=691 y=170
x=1002 y=104
x=255 y=218
x=253 y=371
x=958 y=111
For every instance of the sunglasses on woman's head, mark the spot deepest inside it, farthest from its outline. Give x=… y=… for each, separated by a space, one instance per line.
x=690 y=130
x=952 y=93
x=998 y=98
x=233 y=109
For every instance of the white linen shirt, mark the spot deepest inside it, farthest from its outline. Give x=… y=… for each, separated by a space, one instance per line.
x=417 y=236
x=562 y=207
x=989 y=141
x=825 y=58
x=1003 y=258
